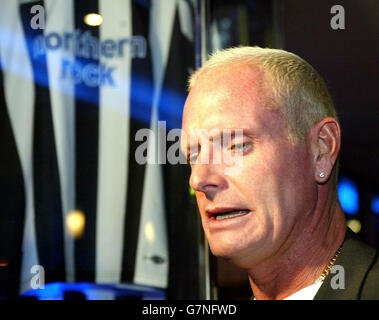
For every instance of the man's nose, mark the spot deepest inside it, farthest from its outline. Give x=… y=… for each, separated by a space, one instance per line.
x=207 y=178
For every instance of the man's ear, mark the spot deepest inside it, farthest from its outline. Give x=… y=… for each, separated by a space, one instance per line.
x=325 y=138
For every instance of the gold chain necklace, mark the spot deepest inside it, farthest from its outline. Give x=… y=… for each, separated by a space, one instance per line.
x=328 y=268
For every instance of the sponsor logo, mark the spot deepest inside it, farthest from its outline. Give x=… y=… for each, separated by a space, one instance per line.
x=88 y=51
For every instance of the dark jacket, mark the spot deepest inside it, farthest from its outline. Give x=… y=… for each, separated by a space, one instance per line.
x=361 y=272
x=361 y=269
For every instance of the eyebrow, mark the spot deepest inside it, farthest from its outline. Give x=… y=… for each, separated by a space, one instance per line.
x=233 y=133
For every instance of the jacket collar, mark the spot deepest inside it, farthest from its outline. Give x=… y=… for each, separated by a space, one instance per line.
x=356 y=258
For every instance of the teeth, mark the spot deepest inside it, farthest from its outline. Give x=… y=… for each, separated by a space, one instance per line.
x=231 y=215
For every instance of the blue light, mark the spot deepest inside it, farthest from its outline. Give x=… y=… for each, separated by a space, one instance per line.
x=375 y=204
x=348 y=196
x=94 y=291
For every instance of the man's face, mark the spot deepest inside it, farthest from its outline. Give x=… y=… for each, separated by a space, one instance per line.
x=271 y=196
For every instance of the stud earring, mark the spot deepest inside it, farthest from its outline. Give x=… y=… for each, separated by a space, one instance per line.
x=321 y=174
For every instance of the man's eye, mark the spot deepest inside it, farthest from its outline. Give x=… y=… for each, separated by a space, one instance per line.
x=239 y=147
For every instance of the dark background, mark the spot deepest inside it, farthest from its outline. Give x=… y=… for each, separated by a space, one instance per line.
x=347 y=59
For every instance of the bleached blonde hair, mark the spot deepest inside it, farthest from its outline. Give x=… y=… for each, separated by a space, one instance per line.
x=298 y=91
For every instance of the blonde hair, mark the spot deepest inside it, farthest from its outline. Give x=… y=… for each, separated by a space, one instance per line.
x=298 y=91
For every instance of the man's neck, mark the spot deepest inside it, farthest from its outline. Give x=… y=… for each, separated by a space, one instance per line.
x=306 y=257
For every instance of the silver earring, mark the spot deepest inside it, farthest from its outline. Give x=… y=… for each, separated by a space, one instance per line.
x=321 y=174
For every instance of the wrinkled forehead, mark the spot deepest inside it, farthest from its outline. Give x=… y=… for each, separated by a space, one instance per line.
x=234 y=98
x=232 y=76
x=224 y=92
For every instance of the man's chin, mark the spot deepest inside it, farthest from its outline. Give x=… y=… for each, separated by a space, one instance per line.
x=235 y=254
x=224 y=251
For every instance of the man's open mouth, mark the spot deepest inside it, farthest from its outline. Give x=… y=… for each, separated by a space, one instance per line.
x=230 y=214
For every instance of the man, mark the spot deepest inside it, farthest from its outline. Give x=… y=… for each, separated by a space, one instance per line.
x=278 y=216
